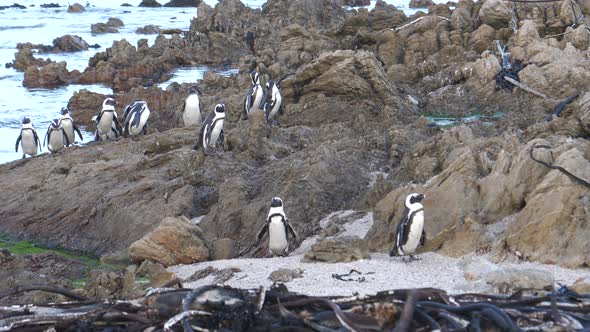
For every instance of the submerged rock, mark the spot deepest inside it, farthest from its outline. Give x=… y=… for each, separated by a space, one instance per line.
x=76 y=8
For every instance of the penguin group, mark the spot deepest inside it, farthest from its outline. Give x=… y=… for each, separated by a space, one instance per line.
x=267 y=100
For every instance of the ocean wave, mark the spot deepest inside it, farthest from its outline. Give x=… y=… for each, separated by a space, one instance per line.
x=16 y=27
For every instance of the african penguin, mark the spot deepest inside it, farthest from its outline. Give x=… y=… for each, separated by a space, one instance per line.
x=274 y=101
x=192 y=109
x=410 y=230
x=107 y=123
x=135 y=118
x=278 y=228
x=28 y=138
x=69 y=126
x=211 y=133
x=55 y=137
x=255 y=96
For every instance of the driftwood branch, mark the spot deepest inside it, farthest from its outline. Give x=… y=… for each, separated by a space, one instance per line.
x=44 y=288
x=525 y=87
x=418 y=20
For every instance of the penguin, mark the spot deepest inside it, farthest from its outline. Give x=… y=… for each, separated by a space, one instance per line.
x=56 y=137
x=69 y=126
x=107 y=123
x=410 y=230
x=274 y=101
x=192 y=108
x=28 y=138
x=211 y=133
x=255 y=96
x=135 y=118
x=278 y=227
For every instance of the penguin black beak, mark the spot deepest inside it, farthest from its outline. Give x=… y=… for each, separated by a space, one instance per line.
x=421 y=197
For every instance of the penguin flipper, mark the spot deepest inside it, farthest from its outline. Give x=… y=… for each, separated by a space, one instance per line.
x=65 y=137
x=423 y=238
x=37 y=140
x=118 y=128
x=18 y=141
x=262 y=231
x=46 y=135
x=291 y=229
x=78 y=131
x=247 y=105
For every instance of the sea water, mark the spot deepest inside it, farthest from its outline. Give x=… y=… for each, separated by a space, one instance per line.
x=41 y=25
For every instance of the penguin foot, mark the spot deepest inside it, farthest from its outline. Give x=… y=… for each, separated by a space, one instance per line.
x=24 y=156
x=414 y=258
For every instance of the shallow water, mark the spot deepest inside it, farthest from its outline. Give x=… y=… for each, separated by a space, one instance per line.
x=42 y=25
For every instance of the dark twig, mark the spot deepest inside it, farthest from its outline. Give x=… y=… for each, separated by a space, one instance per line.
x=559 y=168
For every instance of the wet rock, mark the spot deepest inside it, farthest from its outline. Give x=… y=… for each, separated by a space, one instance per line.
x=149 y=3
x=495 y=13
x=174 y=241
x=285 y=275
x=24 y=59
x=339 y=249
x=104 y=285
x=157 y=274
x=69 y=43
x=115 y=22
x=357 y=3
x=125 y=4
x=15 y=5
x=102 y=28
x=49 y=76
x=420 y=3
x=510 y=280
x=148 y=30
x=183 y=3
x=50 y=5
x=76 y=8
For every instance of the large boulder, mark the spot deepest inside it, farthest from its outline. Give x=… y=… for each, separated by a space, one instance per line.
x=76 y=8
x=174 y=241
x=149 y=3
x=149 y=29
x=69 y=43
x=420 y=3
x=495 y=13
x=338 y=249
x=50 y=76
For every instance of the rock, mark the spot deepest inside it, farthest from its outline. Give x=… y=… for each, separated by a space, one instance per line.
x=285 y=275
x=385 y=16
x=223 y=249
x=420 y=3
x=221 y=276
x=174 y=241
x=102 y=28
x=482 y=38
x=50 y=5
x=462 y=17
x=16 y=5
x=5 y=255
x=24 y=59
x=357 y=3
x=115 y=22
x=157 y=274
x=76 y=8
x=126 y=5
x=339 y=249
x=148 y=30
x=495 y=13
x=511 y=280
x=149 y=3
x=120 y=258
x=69 y=43
x=104 y=285
x=50 y=76
x=183 y=3
x=581 y=286
x=476 y=268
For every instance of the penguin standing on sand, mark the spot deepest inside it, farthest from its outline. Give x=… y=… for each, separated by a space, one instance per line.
x=274 y=101
x=211 y=133
x=135 y=118
x=69 y=126
x=107 y=123
x=55 y=137
x=278 y=228
x=192 y=108
x=28 y=138
x=410 y=230
x=255 y=96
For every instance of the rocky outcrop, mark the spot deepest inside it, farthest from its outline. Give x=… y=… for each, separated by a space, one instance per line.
x=104 y=285
x=495 y=13
x=148 y=30
x=109 y=27
x=24 y=58
x=175 y=241
x=76 y=8
x=182 y=3
x=149 y=3
x=66 y=43
x=420 y=3
x=49 y=76
x=338 y=249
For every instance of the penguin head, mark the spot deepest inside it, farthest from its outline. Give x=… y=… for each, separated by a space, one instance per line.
x=109 y=101
x=194 y=90
x=55 y=124
x=254 y=77
x=26 y=120
x=65 y=111
x=220 y=109
x=276 y=202
x=414 y=198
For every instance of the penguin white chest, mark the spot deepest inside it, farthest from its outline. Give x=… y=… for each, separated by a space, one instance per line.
x=277 y=236
x=416 y=227
x=275 y=109
x=28 y=142
x=215 y=132
x=105 y=124
x=257 y=105
x=56 y=140
x=68 y=127
x=192 y=113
